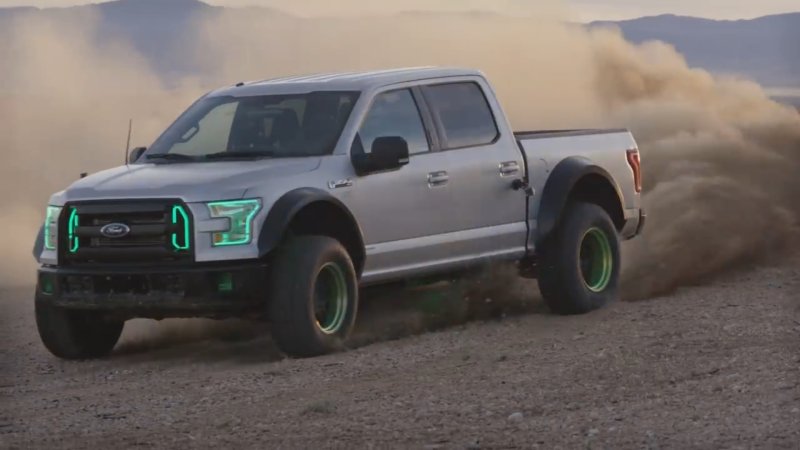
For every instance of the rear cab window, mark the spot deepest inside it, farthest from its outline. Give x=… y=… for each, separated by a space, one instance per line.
x=462 y=113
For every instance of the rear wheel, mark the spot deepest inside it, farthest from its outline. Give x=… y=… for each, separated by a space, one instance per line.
x=580 y=264
x=314 y=296
x=76 y=334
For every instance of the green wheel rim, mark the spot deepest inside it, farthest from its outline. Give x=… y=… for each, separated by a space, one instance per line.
x=596 y=260
x=330 y=298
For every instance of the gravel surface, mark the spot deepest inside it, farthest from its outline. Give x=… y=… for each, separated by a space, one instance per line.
x=716 y=366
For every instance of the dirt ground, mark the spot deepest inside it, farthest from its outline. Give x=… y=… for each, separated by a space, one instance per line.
x=715 y=366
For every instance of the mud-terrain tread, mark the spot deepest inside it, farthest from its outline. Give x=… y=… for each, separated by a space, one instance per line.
x=560 y=279
x=76 y=334
x=293 y=274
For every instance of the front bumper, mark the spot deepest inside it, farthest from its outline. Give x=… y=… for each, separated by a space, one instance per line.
x=197 y=290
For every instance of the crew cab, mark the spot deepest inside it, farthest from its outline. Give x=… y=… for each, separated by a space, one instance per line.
x=278 y=200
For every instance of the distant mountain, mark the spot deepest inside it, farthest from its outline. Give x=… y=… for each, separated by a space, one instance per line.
x=154 y=27
x=791 y=100
x=766 y=49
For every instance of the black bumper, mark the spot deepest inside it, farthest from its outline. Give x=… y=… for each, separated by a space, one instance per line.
x=198 y=290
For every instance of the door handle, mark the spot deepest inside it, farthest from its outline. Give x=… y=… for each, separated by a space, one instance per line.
x=438 y=178
x=336 y=184
x=508 y=168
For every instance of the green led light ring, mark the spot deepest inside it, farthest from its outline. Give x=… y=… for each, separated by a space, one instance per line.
x=255 y=206
x=50 y=221
x=178 y=210
x=72 y=225
x=597 y=260
x=335 y=298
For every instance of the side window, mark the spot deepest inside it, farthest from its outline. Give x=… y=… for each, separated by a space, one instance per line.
x=394 y=113
x=464 y=113
x=210 y=135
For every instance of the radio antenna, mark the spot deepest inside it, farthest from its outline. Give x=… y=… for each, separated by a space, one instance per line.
x=128 y=145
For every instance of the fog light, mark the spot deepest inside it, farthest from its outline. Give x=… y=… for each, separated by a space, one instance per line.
x=225 y=282
x=46 y=285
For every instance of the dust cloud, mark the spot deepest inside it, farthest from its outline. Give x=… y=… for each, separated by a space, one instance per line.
x=720 y=159
x=65 y=103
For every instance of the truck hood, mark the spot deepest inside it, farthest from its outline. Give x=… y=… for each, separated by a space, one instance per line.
x=192 y=182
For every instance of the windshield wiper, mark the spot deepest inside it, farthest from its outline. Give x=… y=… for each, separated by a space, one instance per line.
x=171 y=156
x=240 y=155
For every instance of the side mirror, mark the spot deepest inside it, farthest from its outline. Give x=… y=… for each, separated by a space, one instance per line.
x=136 y=154
x=388 y=153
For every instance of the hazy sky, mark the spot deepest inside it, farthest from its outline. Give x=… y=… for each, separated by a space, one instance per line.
x=583 y=9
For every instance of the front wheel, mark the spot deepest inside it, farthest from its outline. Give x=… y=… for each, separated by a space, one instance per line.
x=314 y=296
x=580 y=264
x=76 y=334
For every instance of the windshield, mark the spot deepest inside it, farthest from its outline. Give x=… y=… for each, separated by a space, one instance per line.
x=279 y=126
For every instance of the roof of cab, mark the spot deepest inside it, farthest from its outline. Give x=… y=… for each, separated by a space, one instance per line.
x=346 y=81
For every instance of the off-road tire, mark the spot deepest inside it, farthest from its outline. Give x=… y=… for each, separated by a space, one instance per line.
x=313 y=296
x=579 y=266
x=76 y=334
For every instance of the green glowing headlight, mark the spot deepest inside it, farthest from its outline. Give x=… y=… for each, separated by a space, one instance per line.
x=241 y=214
x=51 y=227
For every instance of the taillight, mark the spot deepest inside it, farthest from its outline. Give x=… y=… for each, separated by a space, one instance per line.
x=636 y=164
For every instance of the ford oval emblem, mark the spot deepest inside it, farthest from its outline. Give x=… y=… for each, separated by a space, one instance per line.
x=115 y=230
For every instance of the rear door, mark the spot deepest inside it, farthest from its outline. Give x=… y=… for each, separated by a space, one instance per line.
x=483 y=161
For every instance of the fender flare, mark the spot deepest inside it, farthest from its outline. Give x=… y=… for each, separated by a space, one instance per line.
x=286 y=208
x=559 y=187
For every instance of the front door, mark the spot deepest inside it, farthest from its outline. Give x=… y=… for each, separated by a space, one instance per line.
x=402 y=213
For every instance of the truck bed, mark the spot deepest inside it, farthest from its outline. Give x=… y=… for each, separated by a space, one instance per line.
x=544 y=150
x=538 y=134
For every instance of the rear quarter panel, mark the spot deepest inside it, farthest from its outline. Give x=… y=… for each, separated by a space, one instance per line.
x=606 y=149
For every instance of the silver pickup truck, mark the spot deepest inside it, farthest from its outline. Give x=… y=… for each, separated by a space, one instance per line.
x=277 y=200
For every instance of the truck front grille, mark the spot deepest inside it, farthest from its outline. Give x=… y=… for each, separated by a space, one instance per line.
x=154 y=231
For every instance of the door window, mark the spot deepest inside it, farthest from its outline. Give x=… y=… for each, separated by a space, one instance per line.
x=394 y=113
x=464 y=114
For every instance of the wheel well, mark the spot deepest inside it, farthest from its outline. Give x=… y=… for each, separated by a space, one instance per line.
x=326 y=219
x=594 y=188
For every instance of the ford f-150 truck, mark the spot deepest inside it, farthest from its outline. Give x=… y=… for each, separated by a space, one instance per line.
x=277 y=200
